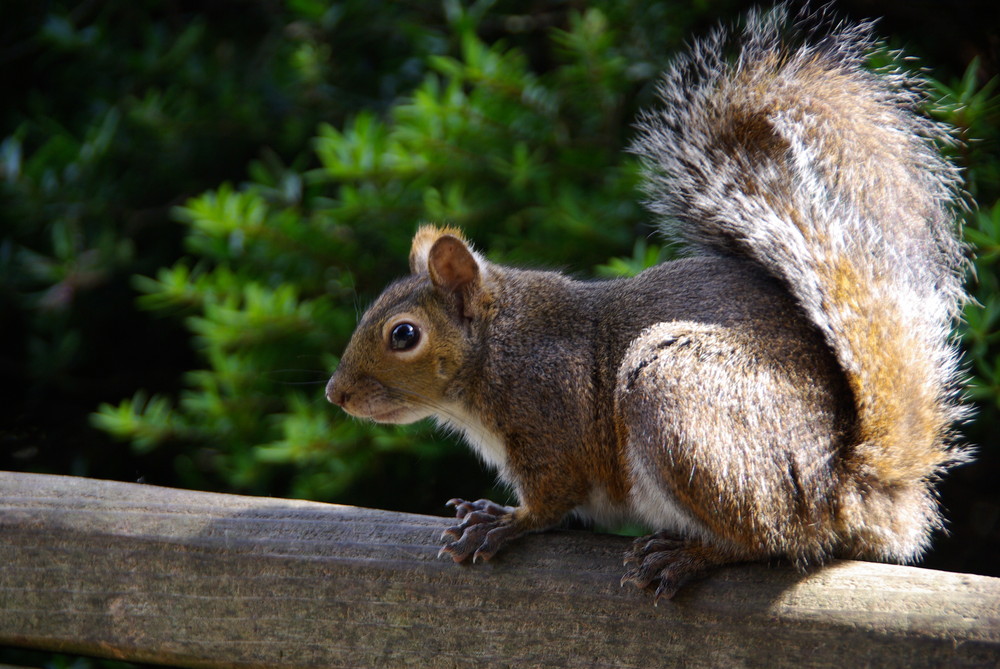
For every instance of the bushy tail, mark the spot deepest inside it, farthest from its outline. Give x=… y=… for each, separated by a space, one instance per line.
x=778 y=145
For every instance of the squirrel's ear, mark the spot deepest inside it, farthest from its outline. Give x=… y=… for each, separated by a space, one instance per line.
x=424 y=240
x=451 y=265
x=420 y=247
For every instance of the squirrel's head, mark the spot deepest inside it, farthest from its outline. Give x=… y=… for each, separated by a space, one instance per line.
x=403 y=358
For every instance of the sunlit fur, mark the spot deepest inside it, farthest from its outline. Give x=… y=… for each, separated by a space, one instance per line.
x=788 y=390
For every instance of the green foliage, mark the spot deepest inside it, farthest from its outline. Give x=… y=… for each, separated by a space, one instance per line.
x=974 y=111
x=982 y=319
x=128 y=107
x=528 y=162
x=482 y=142
x=115 y=112
x=644 y=256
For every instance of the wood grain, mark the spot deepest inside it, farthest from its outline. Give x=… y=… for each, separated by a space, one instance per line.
x=195 y=579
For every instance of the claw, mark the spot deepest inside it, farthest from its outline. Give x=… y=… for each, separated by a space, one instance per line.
x=666 y=590
x=455 y=531
x=449 y=550
x=632 y=576
x=484 y=555
x=663 y=561
x=483 y=529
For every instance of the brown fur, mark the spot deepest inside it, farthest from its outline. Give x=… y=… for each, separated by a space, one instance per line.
x=785 y=394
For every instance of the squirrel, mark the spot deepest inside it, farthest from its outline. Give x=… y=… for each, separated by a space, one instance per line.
x=786 y=390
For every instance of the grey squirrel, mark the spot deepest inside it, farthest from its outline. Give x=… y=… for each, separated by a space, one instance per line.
x=788 y=390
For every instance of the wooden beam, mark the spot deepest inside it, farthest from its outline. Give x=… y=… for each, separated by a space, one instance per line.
x=151 y=574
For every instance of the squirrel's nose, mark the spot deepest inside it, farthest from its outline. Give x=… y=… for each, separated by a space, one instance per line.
x=335 y=395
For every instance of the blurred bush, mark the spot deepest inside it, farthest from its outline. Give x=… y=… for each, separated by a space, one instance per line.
x=525 y=162
x=517 y=140
x=116 y=112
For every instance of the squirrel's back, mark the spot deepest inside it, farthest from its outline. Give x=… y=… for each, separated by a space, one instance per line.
x=776 y=144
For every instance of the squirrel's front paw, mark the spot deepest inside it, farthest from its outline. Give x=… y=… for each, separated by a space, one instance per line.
x=485 y=528
x=666 y=562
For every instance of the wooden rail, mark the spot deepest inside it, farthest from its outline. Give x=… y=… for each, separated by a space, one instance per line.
x=193 y=579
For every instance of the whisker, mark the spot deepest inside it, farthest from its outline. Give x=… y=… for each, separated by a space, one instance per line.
x=318 y=376
x=422 y=400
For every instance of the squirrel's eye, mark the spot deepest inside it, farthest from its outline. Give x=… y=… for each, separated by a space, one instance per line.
x=404 y=337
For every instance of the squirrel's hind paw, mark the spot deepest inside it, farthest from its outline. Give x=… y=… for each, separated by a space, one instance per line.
x=665 y=562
